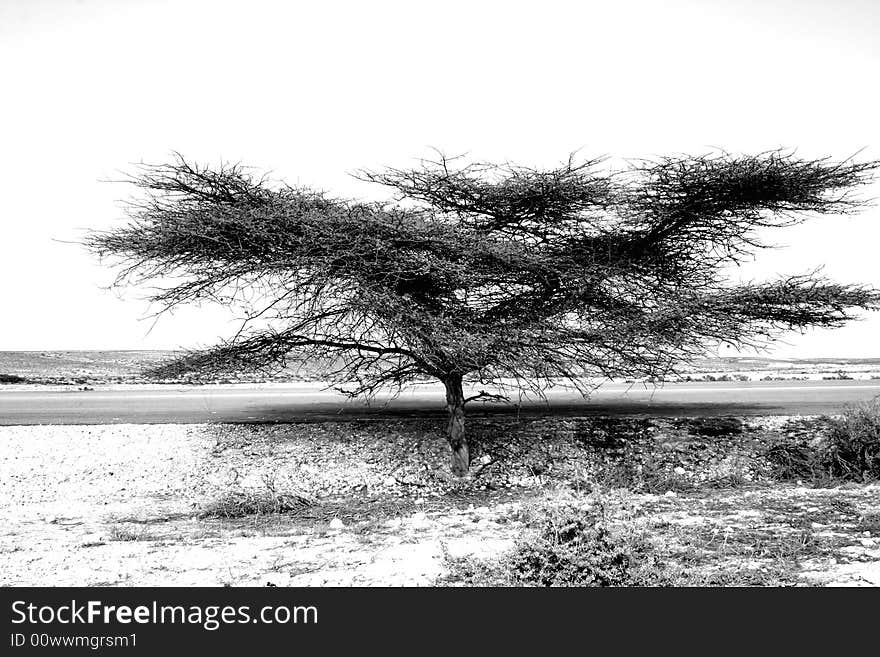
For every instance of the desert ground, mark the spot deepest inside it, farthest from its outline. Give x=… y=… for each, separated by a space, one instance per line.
x=366 y=502
x=363 y=500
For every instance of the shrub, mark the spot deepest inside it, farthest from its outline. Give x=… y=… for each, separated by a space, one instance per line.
x=571 y=545
x=793 y=460
x=848 y=449
x=852 y=449
x=242 y=503
x=12 y=378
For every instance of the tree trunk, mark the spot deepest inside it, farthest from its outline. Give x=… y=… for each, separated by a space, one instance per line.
x=455 y=429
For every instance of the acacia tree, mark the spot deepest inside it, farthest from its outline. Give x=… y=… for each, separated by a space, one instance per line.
x=486 y=273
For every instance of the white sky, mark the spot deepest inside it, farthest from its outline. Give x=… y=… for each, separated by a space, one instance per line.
x=313 y=91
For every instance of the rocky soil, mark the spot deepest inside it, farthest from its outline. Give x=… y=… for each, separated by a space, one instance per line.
x=149 y=504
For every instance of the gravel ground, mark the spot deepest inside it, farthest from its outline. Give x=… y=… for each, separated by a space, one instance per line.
x=119 y=504
x=124 y=504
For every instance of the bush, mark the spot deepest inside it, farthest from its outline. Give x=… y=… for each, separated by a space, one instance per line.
x=240 y=503
x=847 y=450
x=852 y=449
x=793 y=460
x=12 y=378
x=571 y=545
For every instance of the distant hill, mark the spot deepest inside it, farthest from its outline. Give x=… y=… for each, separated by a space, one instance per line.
x=97 y=367
x=106 y=367
x=739 y=364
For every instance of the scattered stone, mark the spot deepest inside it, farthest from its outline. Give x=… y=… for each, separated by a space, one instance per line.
x=152 y=469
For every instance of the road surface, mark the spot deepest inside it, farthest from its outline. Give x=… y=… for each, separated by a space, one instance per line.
x=299 y=402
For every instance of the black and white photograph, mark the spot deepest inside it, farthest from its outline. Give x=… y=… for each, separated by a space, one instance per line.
x=445 y=295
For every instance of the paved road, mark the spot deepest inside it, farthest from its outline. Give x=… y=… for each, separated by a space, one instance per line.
x=181 y=404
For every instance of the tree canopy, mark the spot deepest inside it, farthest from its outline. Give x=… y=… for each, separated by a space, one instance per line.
x=484 y=272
